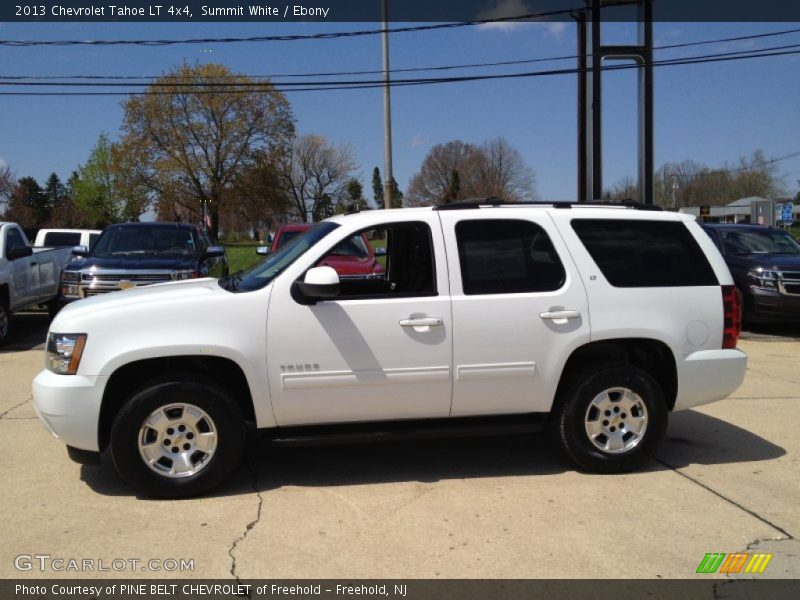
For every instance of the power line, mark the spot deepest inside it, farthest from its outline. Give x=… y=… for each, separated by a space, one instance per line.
x=405 y=83
x=402 y=70
x=297 y=37
x=366 y=84
x=414 y=82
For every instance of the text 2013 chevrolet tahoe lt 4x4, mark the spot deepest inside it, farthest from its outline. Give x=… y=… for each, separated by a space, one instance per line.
x=597 y=321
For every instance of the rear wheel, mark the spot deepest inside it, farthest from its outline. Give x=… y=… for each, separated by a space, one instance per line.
x=611 y=419
x=177 y=437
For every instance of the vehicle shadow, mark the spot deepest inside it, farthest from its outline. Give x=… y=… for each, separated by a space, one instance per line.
x=26 y=331
x=692 y=438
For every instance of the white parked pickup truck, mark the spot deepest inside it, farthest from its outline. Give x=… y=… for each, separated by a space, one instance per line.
x=595 y=321
x=28 y=276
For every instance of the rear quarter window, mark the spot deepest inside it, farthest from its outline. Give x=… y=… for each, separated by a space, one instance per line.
x=632 y=253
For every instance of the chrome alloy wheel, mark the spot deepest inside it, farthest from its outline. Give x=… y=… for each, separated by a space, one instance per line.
x=616 y=420
x=177 y=440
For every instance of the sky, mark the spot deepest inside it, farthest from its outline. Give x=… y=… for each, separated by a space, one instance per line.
x=710 y=113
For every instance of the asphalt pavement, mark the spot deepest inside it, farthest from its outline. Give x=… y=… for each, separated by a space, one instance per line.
x=726 y=479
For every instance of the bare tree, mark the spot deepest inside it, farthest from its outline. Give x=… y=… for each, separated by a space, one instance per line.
x=433 y=184
x=7 y=184
x=495 y=168
x=624 y=189
x=501 y=171
x=314 y=171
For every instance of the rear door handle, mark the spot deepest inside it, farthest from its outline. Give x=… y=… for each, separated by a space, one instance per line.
x=558 y=315
x=422 y=322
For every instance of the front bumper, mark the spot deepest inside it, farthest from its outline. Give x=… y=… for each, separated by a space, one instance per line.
x=69 y=407
x=762 y=305
x=709 y=375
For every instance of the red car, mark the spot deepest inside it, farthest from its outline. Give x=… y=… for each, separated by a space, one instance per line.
x=354 y=257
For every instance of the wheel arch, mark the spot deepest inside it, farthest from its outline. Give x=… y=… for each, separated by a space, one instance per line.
x=134 y=376
x=650 y=355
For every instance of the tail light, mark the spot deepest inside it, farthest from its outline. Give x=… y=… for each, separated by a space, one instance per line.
x=732 y=311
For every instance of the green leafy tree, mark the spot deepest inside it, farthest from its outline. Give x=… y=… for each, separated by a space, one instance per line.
x=28 y=204
x=187 y=147
x=454 y=189
x=377 y=188
x=102 y=191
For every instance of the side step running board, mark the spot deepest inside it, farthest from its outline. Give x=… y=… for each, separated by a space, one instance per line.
x=356 y=433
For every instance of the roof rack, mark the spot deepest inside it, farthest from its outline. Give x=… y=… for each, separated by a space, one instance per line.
x=493 y=201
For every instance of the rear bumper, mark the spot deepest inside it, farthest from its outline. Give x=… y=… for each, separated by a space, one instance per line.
x=69 y=407
x=709 y=375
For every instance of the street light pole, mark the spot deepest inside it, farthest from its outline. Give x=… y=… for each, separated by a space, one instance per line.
x=388 y=186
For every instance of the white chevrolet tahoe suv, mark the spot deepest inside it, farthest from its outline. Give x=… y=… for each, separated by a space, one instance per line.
x=596 y=321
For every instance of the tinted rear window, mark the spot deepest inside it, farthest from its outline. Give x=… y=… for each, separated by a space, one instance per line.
x=504 y=256
x=645 y=253
x=62 y=238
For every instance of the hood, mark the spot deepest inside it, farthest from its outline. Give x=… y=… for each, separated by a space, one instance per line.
x=768 y=262
x=180 y=293
x=136 y=262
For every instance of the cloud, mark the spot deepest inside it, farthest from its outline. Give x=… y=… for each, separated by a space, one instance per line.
x=418 y=140
x=3 y=162
x=512 y=8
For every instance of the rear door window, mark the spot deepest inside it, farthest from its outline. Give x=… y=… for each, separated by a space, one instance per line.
x=632 y=253
x=507 y=256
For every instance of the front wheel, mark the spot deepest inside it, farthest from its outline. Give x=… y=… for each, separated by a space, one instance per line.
x=177 y=437
x=611 y=419
x=3 y=322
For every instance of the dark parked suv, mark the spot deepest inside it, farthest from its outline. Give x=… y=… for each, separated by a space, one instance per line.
x=136 y=254
x=765 y=264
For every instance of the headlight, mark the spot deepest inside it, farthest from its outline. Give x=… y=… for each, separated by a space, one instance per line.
x=70 y=277
x=64 y=352
x=763 y=279
x=180 y=275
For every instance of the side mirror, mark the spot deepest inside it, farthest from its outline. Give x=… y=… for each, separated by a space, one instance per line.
x=320 y=283
x=80 y=251
x=215 y=251
x=263 y=250
x=19 y=252
x=380 y=251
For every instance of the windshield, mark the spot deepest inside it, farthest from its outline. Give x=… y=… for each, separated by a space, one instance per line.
x=288 y=236
x=145 y=241
x=274 y=264
x=739 y=243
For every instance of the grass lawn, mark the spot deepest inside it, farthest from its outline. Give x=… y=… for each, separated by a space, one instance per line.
x=242 y=256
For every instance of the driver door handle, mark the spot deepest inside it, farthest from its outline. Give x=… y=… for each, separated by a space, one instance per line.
x=561 y=314
x=422 y=322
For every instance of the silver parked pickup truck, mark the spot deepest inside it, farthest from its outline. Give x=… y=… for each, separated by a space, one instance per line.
x=28 y=276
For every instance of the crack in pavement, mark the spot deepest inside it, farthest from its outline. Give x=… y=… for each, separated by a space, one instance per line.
x=23 y=403
x=722 y=496
x=249 y=526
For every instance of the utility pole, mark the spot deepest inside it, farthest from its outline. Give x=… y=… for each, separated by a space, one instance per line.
x=388 y=181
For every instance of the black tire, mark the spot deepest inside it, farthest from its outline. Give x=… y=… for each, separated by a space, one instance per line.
x=53 y=307
x=572 y=412
x=4 y=321
x=226 y=421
